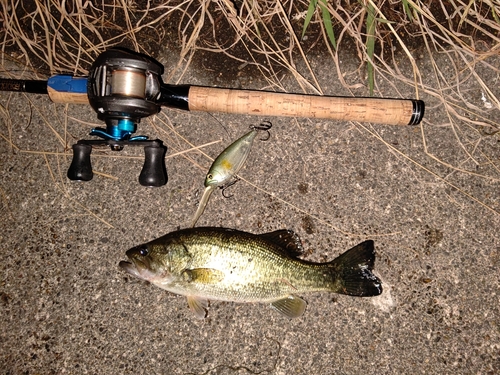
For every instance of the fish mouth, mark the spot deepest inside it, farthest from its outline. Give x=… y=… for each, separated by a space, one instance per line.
x=138 y=269
x=130 y=268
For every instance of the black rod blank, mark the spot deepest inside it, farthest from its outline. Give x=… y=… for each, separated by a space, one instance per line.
x=20 y=85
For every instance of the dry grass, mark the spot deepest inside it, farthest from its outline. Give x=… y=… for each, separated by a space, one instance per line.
x=66 y=38
x=411 y=43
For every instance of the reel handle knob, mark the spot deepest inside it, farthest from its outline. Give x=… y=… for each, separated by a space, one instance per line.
x=80 y=168
x=153 y=172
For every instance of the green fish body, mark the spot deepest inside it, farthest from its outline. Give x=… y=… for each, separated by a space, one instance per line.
x=229 y=265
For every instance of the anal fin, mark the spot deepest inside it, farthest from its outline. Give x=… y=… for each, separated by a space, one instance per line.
x=198 y=306
x=291 y=306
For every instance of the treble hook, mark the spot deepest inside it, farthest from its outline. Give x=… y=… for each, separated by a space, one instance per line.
x=236 y=179
x=264 y=125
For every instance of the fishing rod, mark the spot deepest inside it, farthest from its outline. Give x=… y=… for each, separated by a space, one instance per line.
x=123 y=87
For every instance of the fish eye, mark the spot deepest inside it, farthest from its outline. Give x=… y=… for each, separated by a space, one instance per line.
x=210 y=176
x=143 y=251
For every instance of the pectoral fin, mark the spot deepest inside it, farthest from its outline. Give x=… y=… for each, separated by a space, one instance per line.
x=198 y=306
x=291 y=306
x=203 y=275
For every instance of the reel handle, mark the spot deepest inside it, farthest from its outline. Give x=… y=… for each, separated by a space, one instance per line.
x=81 y=168
x=153 y=172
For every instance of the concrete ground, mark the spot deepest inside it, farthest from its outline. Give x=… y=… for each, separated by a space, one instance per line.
x=66 y=307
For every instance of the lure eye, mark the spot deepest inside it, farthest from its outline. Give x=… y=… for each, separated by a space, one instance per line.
x=143 y=251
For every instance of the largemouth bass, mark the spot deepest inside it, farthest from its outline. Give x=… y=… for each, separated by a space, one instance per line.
x=227 y=165
x=225 y=264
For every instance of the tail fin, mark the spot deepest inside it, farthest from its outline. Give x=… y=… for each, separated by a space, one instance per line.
x=353 y=271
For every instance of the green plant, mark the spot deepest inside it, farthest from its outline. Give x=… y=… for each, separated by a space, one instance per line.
x=327 y=19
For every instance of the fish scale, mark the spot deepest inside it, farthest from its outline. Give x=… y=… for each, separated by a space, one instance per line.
x=211 y=263
x=256 y=272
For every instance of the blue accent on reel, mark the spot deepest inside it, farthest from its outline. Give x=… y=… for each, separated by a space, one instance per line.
x=119 y=132
x=111 y=133
x=138 y=138
x=126 y=125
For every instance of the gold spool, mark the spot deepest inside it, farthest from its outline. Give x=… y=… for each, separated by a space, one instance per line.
x=128 y=83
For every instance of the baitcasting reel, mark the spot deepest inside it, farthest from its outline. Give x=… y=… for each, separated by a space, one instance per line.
x=122 y=88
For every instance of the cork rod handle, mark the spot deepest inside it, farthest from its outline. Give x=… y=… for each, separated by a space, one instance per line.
x=67 y=97
x=263 y=103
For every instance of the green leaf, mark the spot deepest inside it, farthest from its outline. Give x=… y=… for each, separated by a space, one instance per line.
x=407 y=8
x=310 y=13
x=327 y=22
x=494 y=13
x=327 y=19
x=371 y=24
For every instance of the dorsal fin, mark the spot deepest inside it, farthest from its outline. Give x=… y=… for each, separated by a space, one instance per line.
x=287 y=239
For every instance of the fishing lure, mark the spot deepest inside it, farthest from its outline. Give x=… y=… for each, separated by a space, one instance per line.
x=228 y=164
